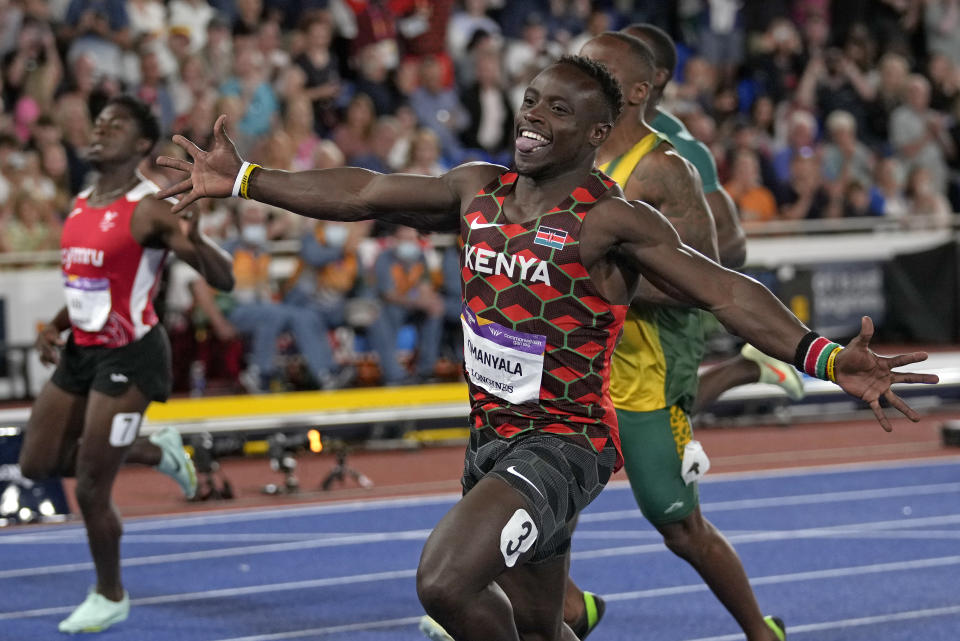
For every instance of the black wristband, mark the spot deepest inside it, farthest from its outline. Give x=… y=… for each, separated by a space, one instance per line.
x=800 y=356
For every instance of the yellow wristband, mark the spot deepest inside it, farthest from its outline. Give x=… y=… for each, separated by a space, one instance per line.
x=245 y=180
x=831 y=371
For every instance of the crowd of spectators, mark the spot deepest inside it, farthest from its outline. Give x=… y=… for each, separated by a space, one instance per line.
x=812 y=108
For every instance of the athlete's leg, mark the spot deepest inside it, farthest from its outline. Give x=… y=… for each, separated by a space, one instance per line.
x=462 y=558
x=718 y=378
x=53 y=430
x=750 y=366
x=575 y=612
x=536 y=591
x=703 y=546
x=111 y=425
x=653 y=443
x=582 y=610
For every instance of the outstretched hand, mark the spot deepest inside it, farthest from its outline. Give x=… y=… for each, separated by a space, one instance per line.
x=212 y=173
x=867 y=376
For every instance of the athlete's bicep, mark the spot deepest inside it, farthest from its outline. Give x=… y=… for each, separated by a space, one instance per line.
x=673 y=186
x=428 y=203
x=649 y=240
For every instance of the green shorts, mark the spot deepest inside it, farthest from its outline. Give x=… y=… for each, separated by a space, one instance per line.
x=653 y=445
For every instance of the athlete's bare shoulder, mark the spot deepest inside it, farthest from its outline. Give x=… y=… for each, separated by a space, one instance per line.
x=662 y=175
x=671 y=183
x=469 y=178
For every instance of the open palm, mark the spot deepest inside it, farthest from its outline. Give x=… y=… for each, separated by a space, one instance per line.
x=211 y=174
x=869 y=377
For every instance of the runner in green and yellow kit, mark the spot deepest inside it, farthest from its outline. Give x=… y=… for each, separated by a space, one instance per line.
x=751 y=365
x=654 y=368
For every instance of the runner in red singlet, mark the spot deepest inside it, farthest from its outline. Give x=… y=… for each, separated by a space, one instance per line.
x=552 y=255
x=116 y=361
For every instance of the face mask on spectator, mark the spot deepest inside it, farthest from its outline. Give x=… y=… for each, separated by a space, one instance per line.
x=335 y=235
x=408 y=251
x=255 y=235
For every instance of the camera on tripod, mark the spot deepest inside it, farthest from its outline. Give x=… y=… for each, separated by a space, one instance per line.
x=206 y=451
x=282 y=450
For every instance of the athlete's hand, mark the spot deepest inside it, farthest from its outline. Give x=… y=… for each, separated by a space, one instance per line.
x=190 y=224
x=867 y=376
x=212 y=173
x=48 y=343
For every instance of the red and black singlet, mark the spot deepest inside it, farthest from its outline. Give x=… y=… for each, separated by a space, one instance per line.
x=538 y=334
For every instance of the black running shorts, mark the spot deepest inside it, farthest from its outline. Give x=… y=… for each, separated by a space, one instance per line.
x=558 y=476
x=112 y=370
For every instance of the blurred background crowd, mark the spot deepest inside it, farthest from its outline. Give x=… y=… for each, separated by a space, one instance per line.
x=813 y=109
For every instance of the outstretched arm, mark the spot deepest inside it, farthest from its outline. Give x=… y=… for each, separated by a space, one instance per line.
x=346 y=194
x=154 y=224
x=748 y=309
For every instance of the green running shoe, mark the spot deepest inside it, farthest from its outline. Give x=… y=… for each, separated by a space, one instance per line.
x=593 y=610
x=776 y=624
x=96 y=613
x=174 y=460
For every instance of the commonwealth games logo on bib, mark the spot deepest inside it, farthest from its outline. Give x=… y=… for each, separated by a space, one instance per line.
x=549 y=237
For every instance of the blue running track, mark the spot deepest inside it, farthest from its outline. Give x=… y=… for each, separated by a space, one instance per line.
x=858 y=553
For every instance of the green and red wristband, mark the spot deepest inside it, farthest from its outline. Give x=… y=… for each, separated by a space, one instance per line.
x=817 y=356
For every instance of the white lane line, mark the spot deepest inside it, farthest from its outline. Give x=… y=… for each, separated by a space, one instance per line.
x=412 y=535
x=779 y=535
x=794 y=629
x=775 y=579
x=79 y=535
x=798 y=499
x=353 y=627
x=619 y=535
x=145 y=523
x=909 y=615
x=227 y=515
x=188 y=538
x=232 y=592
x=812 y=575
x=379 y=537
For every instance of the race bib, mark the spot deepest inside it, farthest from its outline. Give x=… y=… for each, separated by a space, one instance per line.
x=504 y=362
x=695 y=462
x=88 y=301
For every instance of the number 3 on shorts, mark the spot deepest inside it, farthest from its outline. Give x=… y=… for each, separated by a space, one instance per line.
x=124 y=428
x=517 y=536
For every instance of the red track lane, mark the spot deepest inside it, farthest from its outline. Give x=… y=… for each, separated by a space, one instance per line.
x=141 y=491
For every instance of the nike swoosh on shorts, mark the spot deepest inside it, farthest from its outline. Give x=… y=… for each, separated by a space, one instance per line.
x=514 y=471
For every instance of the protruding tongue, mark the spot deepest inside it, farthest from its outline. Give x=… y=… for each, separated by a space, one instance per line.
x=528 y=144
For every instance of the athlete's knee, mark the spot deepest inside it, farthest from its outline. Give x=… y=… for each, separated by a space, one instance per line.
x=92 y=490
x=39 y=465
x=438 y=590
x=36 y=469
x=686 y=538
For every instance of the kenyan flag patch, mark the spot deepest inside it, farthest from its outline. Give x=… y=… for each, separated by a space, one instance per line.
x=549 y=237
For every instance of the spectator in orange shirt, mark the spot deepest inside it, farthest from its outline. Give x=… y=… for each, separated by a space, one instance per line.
x=755 y=202
x=407 y=294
